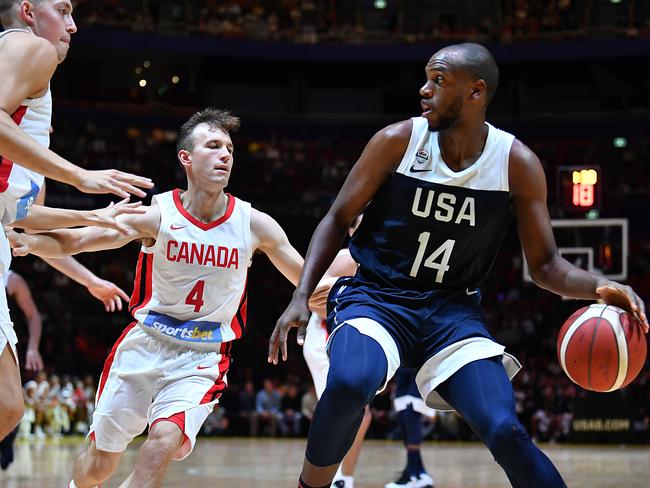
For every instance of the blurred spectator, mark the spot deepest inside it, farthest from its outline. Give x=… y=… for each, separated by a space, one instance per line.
x=268 y=404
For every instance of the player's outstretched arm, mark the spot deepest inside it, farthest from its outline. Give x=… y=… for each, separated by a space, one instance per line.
x=376 y=164
x=547 y=268
x=40 y=217
x=26 y=71
x=61 y=243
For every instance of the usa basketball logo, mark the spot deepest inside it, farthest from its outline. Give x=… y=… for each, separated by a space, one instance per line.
x=422 y=156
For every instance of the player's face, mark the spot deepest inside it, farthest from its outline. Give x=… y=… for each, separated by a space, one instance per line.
x=53 y=21
x=443 y=94
x=212 y=156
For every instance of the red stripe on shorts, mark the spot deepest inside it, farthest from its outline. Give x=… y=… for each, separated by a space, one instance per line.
x=178 y=419
x=219 y=385
x=109 y=360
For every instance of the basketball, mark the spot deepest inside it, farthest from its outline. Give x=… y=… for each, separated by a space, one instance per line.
x=601 y=347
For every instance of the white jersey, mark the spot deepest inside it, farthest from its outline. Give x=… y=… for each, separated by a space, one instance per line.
x=190 y=286
x=19 y=187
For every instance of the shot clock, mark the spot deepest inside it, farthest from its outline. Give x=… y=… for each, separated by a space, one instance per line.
x=579 y=188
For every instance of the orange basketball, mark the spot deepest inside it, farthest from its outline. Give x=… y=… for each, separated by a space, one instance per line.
x=601 y=347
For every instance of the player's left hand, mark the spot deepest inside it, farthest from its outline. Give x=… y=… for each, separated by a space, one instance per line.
x=108 y=293
x=107 y=217
x=623 y=296
x=33 y=360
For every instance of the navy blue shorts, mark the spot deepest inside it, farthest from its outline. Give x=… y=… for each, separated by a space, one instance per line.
x=421 y=324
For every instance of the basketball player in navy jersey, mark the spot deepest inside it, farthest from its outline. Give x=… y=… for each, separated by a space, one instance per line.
x=439 y=190
x=169 y=368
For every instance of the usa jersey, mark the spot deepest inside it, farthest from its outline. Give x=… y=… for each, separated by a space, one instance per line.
x=19 y=187
x=429 y=227
x=190 y=286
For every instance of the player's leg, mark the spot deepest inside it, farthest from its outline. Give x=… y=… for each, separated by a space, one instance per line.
x=410 y=407
x=185 y=395
x=155 y=456
x=344 y=477
x=358 y=368
x=93 y=467
x=482 y=394
x=123 y=398
x=12 y=405
x=316 y=358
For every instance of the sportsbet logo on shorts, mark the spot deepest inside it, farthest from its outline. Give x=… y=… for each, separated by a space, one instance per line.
x=190 y=331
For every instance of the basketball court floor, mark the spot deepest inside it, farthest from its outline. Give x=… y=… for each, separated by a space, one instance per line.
x=270 y=463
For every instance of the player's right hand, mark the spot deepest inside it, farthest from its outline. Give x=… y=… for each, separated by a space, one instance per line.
x=112 y=181
x=296 y=315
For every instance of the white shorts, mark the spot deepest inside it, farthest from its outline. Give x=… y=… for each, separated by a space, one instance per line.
x=146 y=380
x=7 y=334
x=315 y=352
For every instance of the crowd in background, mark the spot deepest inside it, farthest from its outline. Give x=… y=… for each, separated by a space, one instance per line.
x=295 y=180
x=362 y=21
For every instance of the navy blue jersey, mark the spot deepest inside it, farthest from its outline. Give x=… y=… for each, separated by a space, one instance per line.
x=429 y=227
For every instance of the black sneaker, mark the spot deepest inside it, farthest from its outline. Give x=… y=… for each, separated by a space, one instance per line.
x=406 y=480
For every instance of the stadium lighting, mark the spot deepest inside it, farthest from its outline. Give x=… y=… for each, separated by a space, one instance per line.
x=142 y=83
x=138 y=70
x=175 y=79
x=380 y=4
x=147 y=64
x=620 y=142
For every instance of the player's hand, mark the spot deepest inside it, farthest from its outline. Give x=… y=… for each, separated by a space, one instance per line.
x=112 y=181
x=623 y=296
x=33 y=360
x=107 y=217
x=21 y=244
x=108 y=293
x=318 y=299
x=296 y=315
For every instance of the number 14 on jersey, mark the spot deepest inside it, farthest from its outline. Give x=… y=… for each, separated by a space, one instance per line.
x=438 y=259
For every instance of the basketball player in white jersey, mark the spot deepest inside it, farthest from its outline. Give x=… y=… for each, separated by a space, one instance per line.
x=35 y=40
x=189 y=303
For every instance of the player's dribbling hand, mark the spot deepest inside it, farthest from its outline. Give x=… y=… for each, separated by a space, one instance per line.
x=623 y=296
x=108 y=293
x=107 y=217
x=112 y=181
x=296 y=315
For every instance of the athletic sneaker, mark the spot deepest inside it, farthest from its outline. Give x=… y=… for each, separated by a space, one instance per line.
x=408 y=480
x=338 y=484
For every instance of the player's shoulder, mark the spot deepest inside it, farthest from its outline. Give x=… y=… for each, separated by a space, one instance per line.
x=397 y=133
x=524 y=167
x=24 y=46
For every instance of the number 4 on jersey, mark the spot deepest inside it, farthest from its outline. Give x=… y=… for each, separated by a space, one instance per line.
x=444 y=252
x=195 y=296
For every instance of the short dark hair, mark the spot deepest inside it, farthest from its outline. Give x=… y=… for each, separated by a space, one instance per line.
x=478 y=62
x=215 y=118
x=5 y=5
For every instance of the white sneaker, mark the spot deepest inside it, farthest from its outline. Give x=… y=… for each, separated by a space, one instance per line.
x=406 y=480
x=424 y=480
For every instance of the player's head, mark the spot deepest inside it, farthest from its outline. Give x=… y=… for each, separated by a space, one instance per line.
x=461 y=81
x=49 y=19
x=205 y=149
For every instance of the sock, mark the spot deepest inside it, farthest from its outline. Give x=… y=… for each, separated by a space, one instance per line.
x=72 y=485
x=414 y=461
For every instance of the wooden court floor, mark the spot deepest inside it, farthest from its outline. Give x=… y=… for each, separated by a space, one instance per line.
x=268 y=463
